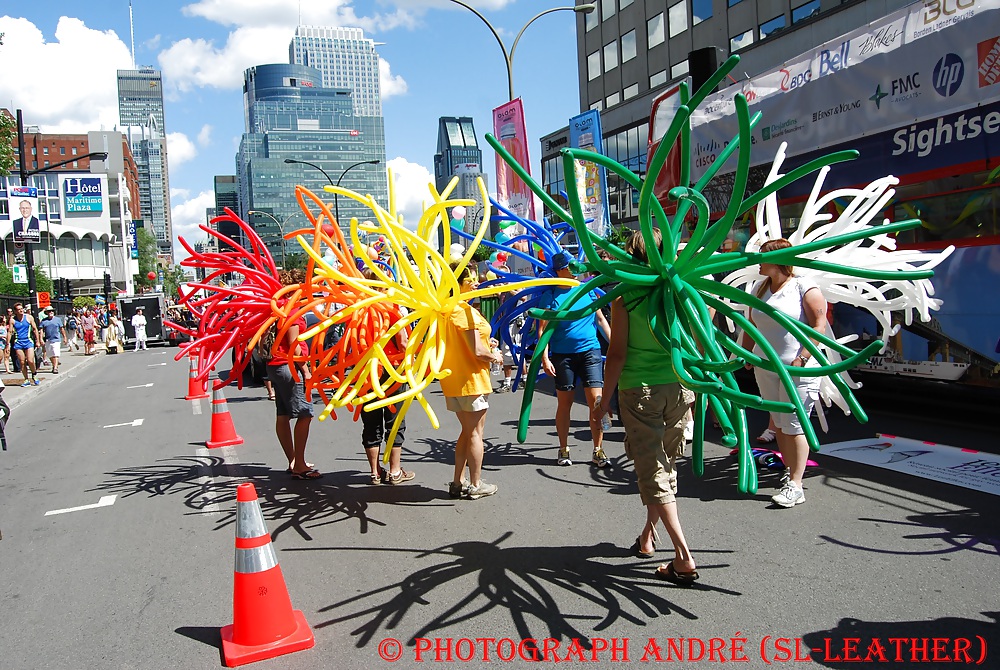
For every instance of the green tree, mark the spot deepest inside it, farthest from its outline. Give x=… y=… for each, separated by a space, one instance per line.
x=8 y=287
x=617 y=235
x=295 y=261
x=8 y=139
x=82 y=301
x=147 y=258
x=482 y=253
x=172 y=279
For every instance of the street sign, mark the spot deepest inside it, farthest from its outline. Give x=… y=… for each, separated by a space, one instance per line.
x=20 y=273
x=44 y=300
x=99 y=299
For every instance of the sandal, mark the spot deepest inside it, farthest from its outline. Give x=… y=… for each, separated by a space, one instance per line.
x=270 y=396
x=636 y=549
x=675 y=576
x=307 y=475
x=311 y=466
x=767 y=437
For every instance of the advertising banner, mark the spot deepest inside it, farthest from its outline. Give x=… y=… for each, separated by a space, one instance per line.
x=508 y=128
x=131 y=240
x=591 y=180
x=24 y=214
x=918 y=63
x=664 y=109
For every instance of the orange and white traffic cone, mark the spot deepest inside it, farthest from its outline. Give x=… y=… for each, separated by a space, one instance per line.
x=196 y=390
x=223 y=430
x=264 y=623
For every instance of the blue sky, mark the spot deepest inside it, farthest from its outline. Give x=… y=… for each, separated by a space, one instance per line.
x=439 y=60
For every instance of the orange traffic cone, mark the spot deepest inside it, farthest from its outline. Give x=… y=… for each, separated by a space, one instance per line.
x=196 y=389
x=223 y=430
x=264 y=624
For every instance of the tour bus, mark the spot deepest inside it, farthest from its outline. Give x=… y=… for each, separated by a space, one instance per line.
x=917 y=93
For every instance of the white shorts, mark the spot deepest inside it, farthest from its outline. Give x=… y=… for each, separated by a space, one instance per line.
x=52 y=349
x=771 y=388
x=467 y=403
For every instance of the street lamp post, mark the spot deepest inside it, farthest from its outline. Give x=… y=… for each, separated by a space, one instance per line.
x=508 y=56
x=336 y=201
x=29 y=258
x=281 y=228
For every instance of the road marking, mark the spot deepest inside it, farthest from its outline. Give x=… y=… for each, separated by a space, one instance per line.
x=105 y=501
x=155 y=365
x=196 y=407
x=140 y=386
x=159 y=353
x=210 y=479
x=133 y=423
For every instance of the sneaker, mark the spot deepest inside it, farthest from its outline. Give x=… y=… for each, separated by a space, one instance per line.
x=564 y=458
x=34 y=380
x=26 y=383
x=786 y=477
x=504 y=388
x=790 y=495
x=689 y=431
x=481 y=491
x=600 y=459
x=458 y=490
x=399 y=477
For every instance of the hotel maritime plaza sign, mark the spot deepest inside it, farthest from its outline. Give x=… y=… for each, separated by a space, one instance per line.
x=83 y=195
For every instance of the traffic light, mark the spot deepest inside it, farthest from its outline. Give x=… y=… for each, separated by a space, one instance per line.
x=107 y=288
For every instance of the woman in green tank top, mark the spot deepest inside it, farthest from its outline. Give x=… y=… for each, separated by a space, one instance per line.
x=653 y=412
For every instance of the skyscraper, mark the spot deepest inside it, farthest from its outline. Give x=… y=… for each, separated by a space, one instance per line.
x=140 y=110
x=346 y=59
x=458 y=155
x=289 y=114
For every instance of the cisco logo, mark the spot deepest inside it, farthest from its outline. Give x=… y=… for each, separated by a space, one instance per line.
x=948 y=75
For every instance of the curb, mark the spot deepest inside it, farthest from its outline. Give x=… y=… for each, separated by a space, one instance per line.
x=54 y=381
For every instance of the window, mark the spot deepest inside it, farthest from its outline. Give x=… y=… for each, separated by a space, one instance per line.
x=46 y=164
x=734 y=2
x=591 y=20
x=677 y=18
x=45 y=151
x=768 y=28
x=34 y=151
x=62 y=151
x=658 y=79
x=628 y=46
x=679 y=69
x=740 y=41
x=598 y=106
x=700 y=10
x=594 y=66
x=630 y=92
x=607 y=9
x=805 y=11
x=622 y=4
x=610 y=56
x=654 y=31
x=613 y=100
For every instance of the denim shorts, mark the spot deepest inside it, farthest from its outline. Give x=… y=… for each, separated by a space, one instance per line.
x=587 y=365
x=289 y=395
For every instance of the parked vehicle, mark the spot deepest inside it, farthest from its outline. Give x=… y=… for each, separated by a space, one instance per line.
x=153 y=307
x=182 y=317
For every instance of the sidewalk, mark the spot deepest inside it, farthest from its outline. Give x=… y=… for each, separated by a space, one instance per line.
x=70 y=363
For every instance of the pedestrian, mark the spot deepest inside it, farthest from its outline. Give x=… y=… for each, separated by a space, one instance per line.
x=652 y=409
x=102 y=321
x=801 y=299
x=514 y=332
x=468 y=354
x=4 y=351
x=112 y=341
x=139 y=325
x=574 y=352
x=72 y=324
x=89 y=323
x=22 y=334
x=55 y=335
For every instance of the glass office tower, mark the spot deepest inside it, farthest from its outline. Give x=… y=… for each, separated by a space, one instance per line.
x=345 y=58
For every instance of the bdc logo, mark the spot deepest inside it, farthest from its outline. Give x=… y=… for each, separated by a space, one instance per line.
x=948 y=75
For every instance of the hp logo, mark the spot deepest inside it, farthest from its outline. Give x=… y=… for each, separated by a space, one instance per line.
x=948 y=74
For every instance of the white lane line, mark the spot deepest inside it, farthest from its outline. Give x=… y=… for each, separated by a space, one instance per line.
x=211 y=480
x=159 y=353
x=105 y=501
x=140 y=386
x=133 y=423
x=155 y=365
x=196 y=407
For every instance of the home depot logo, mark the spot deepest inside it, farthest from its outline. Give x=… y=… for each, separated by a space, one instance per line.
x=989 y=61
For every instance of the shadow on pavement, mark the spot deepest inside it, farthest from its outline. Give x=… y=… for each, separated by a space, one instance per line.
x=525 y=581
x=959 y=530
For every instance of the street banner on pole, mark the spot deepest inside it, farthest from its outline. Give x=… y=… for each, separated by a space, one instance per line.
x=591 y=180
x=508 y=127
x=24 y=214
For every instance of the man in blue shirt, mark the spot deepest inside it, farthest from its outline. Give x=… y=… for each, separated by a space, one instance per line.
x=52 y=330
x=574 y=351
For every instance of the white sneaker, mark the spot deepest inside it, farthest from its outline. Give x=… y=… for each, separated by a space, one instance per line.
x=564 y=458
x=689 y=431
x=790 y=495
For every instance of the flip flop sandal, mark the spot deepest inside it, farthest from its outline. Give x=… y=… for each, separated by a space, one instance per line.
x=675 y=577
x=307 y=475
x=767 y=437
x=311 y=466
x=636 y=549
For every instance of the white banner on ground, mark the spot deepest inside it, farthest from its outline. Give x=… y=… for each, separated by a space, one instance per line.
x=967 y=468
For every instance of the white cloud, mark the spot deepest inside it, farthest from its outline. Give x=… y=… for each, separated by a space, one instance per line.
x=186 y=215
x=192 y=63
x=290 y=13
x=389 y=85
x=411 y=180
x=205 y=135
x=179 y=149
x=54 y=95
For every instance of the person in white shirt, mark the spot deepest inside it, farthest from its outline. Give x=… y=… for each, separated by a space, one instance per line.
x=139 y=324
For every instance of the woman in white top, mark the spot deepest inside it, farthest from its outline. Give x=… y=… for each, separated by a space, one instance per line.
x=4 y=356
x=801 y=299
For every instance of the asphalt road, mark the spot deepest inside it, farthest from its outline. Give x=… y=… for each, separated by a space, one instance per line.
x=146 y=582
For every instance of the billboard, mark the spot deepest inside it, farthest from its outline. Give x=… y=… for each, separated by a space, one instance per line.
x=591 y=180
x=131 y=240
x=82 y=194
x=24 y=206
x=508 y=128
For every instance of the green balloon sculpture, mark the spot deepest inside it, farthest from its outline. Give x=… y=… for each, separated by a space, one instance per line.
x=680 y=289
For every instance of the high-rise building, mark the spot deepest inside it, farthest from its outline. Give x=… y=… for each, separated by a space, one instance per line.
x=140 y=109
x=459 y=155
x=227 y=194
x=347 y=60
x=290 y=115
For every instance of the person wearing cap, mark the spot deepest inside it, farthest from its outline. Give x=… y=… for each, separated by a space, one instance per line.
x=574 y=352
x=139 y=325
x=54 y=334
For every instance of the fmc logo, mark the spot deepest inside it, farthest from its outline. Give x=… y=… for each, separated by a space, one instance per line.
x=948 y=75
